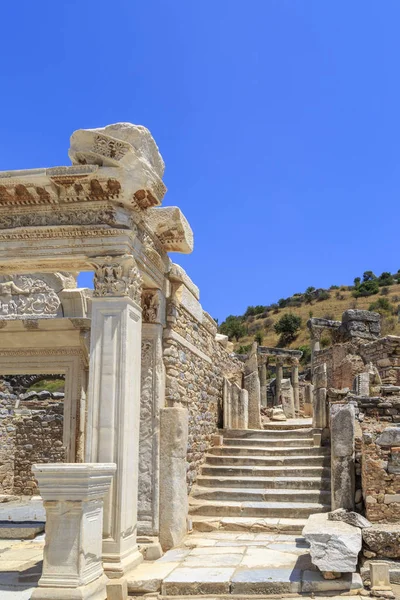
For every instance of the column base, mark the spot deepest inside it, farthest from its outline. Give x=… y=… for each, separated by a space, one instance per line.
x=115 y=567
x=96 y=590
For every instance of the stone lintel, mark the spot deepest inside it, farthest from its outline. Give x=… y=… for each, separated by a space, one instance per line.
x=279 y=352
x=172 y=229
x=73 y=481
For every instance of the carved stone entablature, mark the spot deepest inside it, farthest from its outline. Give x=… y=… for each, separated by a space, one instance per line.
x=30 y=296
x=117 y=276
x=152 y=306
x=171 y=228
x=129 y=147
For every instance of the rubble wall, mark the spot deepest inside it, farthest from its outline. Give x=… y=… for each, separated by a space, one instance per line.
x=384 y=353
x=195 y=365
x=381 y=487
x=31 y=433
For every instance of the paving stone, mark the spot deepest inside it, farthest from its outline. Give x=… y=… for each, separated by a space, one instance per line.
x=313 y=581
x=266 y=581
x=223 y=559
x=176 y=555
x=260 y=557
x=192 y=581
x=148 y=577
x=218 y=550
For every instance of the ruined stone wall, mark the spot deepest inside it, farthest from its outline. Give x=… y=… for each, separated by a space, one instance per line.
x=381 y=485
x=195 y=366
x=384 y=353
x=381 y=408
x=31 y=433
x=343 y=363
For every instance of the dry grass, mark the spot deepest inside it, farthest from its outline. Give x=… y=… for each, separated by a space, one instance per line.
x=332 y=306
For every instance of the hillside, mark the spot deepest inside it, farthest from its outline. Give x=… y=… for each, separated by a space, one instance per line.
x=258 y=322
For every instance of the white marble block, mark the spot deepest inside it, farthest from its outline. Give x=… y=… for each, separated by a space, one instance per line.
x=73 y=498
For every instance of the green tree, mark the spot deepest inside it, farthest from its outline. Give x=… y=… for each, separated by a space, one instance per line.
x=385 y=278
x=369 y=276
x=367 y=288
x=259 y=338
x=233 y=327
x=357 y=282
x=287 y=327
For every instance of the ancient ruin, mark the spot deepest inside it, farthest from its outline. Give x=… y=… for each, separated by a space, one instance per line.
x=169 y=464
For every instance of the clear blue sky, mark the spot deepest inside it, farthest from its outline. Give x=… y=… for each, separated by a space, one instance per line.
x=278 y=121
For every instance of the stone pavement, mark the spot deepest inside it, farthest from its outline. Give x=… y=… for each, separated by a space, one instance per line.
x=236 y=563
x=20 y=567
x=213 y=563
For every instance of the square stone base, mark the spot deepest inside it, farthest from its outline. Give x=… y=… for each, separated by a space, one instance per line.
x=96 y=590
x=117 y=569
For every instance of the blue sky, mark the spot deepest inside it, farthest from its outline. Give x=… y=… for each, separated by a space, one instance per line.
x=278 y=121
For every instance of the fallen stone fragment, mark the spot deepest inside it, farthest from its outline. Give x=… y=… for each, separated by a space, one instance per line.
x=278 y=415
x=349 y=517
x=334 y=545
x=383 y=539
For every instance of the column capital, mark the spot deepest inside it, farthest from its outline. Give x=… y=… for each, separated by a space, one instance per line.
x=117 y=276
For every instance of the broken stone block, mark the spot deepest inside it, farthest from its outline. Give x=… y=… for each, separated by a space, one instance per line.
x=389 y=437
x=379 y=575
x=334 y=545
x=349 y=517
x=278 y=415
x=383 y=539
x=342 y=419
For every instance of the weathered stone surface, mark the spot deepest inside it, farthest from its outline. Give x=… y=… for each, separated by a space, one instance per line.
x=278 y=415
x=390 y=437
x=171 y=228
x=383 y=539
x=349 y=517
x=342 y=421
x=173 y=491
x=334 y=545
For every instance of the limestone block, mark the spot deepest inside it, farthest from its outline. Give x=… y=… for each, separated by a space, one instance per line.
x=389 y=437
x=181 y=295
x=342 y=455
x=383 y=539
x=287 y=396
x=243 y=422
x=173 y=490
x=252 y=385
x=117 y=589
x=222 y=339
x=334 y=545
x=320 y=378
x=349 y=517
x=178 y=274
x=319 y=408
x=172 y=228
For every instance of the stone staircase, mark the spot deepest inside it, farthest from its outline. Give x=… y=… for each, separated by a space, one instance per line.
x=262 y=480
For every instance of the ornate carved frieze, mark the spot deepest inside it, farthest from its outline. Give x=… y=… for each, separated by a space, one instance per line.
x=151 y=306
x=27 y=296
x=106 y=216
x=117 y=276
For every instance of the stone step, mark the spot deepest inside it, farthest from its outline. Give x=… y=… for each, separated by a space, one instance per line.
x=251 y=471
x=300 y=483
x=270 y=443
x=260 y=495
x=248 y=524
x=263 y=451
x=302 y=460
x=251 y=509
x=268 y=433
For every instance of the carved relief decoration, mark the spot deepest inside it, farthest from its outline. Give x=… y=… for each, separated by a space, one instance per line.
x=151 y=306
x=118 y=276
x=24 y=296
x=46 y=219
x=145 y=500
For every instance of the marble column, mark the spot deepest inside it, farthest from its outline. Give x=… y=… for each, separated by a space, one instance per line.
x=263 y=383
x=114 y=402
x=152 y=400
x=73 y=498
x=295 y=385
x=315 y=344
x=278 y=380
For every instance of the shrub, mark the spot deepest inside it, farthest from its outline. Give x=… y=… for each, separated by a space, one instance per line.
x=367 y=288
x=329 y=316
x=287 y=327
x=382 y=305
x=233 y=327
x=306 y=358
x=385 y=278
x=325 y=341
x=384 y=291
x=323 y=295
x=243 y=349
x=258 y=338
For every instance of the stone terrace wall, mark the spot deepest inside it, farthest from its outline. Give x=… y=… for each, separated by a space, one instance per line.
x=381 y=487
x=195 y=366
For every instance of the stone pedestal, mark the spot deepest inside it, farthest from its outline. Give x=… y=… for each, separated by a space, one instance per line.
x=173 y=487
x=73 y=498
x=114 y=404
